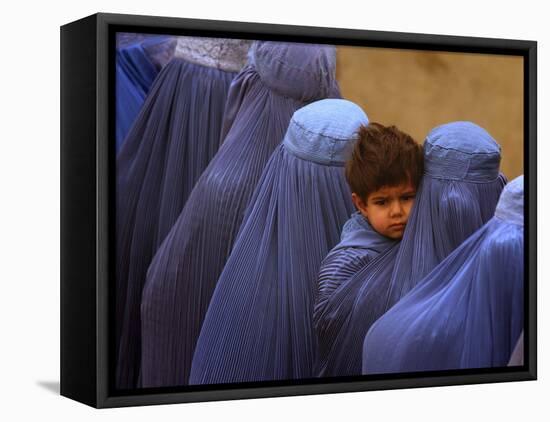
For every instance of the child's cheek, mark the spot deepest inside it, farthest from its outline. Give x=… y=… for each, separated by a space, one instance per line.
x=408 y=211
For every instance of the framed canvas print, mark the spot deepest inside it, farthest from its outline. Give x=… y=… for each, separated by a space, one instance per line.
x=253 y=210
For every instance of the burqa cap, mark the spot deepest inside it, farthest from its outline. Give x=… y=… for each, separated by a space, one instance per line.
x=305 y=72
x=510 y=204
x=461 y=151
x=325 y=131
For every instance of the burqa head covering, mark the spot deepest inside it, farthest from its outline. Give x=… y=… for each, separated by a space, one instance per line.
x=295 y=72
x=457 y=195
x=184 y=272
x=468 y=312
x=259 y=322
x=174 y=137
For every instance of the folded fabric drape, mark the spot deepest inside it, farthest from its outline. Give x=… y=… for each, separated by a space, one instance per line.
x=259 y=323
x=139 y=58
x=359 y=244
x=135 y=74
x=174 y=137
x=184 y=271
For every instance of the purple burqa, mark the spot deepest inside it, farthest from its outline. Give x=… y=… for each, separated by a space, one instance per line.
x=467 y=312
x=358 y=246
x=457 y=195
x=259 y=323
x=174 y=137
x=139 y=58
x=280 y=78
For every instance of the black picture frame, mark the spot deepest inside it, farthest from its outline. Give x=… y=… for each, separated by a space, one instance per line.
x=87 y=168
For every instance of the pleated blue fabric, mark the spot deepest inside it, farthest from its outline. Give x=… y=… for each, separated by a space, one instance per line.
x=259 y=323
x=184 y=272
x=139 y=58
x=175 y=136
x=359 y=245
x=468 y=312
x=158 y=48
x=135 y=74
x=457 y=195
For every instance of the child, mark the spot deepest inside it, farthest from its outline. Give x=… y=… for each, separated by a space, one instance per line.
x=458 y=194
x=468 y=311
x=383 y=173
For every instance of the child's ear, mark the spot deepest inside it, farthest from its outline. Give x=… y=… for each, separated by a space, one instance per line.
x=358 y=202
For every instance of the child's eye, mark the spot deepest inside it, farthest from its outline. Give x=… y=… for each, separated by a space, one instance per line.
x=380 y=202
x=408 y=197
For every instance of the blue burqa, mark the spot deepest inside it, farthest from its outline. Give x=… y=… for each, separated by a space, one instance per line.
x=457 y=195
x=280 y=78
x=134 y=75
x=468 y=312
x=359 y=245
x=138 y=62
x=259 y=323
x=176 y=134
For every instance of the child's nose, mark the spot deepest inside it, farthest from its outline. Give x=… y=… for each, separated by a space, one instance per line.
x=396 y=209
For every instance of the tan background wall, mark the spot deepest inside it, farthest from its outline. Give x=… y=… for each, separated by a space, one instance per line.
x=417 y=90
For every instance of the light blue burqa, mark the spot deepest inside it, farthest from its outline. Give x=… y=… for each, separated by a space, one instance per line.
x=468 y=312
x=457 y=195
x=259 y=324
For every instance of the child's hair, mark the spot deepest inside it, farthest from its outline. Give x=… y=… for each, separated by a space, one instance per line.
x=383 y=156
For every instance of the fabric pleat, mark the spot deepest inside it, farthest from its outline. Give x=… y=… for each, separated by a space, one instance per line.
x=467 y=313
x=457 y=195
x=259 y=323
x=185 y=269
x=135 y=74
x=359 y=245
x=448 y=212
x=172 y=141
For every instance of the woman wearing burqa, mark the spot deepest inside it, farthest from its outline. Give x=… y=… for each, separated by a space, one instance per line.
x=139 y=58
x=175 y=136
x=280 y=78
x=457 y=195
x=468 y=312
x=258 y=326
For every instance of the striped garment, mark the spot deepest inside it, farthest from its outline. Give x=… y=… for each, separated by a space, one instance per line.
x=184 y=272
x=259 y=325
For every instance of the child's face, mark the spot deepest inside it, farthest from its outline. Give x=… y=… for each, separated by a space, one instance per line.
x=387 y=209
